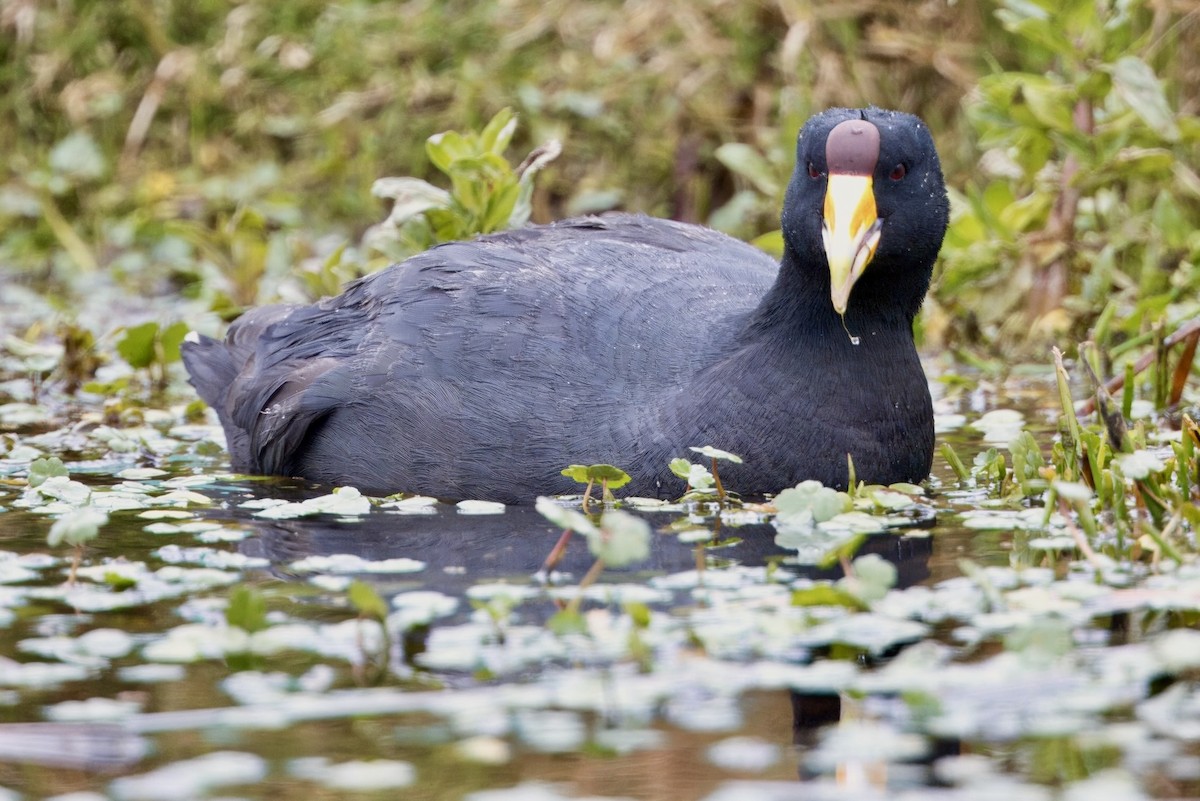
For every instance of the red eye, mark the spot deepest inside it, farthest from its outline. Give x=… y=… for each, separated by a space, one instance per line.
x=898 y=172
x=813 y=172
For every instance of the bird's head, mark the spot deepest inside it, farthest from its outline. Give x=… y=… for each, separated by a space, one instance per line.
x=867 y=200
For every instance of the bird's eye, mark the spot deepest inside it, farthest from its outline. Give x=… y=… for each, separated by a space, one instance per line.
x=813 y=172
x=898 y=172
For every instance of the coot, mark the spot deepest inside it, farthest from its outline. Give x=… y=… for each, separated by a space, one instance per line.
x=481 y=369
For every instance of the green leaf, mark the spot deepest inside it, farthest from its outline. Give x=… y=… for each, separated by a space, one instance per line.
x=639 y=613
x=813 y=498
x=42 y=469
x=1135 y=83
x=564 y=518
x=623 y=538
x=771 y=242
x=444 y=149
x=119 y=583
x=873 y=577
x=749 y=164
x=499 y=132
x=137 y=345
x=584 y=474
x=247 y=609
x=681 y=467
x=366 y=600
x=78 y=156
x=717 y=453
x=826 y=595
x=76 y=528
x=171 y=338
x=1044 y=640
x=500 y=206
x=567 y=621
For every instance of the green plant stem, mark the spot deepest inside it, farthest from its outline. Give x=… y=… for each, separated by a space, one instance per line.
x=1160 y=537
x=71 y=242
x=952 y=459
x=588 y=580
x=1185 y=330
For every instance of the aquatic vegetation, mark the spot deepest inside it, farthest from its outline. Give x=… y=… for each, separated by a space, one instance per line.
x=609 y=476
x=1024 y=624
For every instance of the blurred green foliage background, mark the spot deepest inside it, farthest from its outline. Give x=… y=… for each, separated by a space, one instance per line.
x=225 y=152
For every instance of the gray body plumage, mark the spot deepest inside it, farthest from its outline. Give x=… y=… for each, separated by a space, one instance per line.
x=481 y=369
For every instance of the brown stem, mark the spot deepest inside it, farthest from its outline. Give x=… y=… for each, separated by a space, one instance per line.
x=1183 y=368
x=717 y=481
x=556 y=553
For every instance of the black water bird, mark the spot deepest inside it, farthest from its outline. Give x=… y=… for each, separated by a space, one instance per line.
x=481 y=369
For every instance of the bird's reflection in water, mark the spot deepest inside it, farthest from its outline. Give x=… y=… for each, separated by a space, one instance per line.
x=460 y=550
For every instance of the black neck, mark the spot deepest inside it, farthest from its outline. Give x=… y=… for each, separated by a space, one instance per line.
x=799 y=302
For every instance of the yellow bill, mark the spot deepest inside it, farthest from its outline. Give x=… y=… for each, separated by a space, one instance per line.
x=850 y=232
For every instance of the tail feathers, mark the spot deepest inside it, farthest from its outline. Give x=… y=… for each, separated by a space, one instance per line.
x=214 y=367
x=211 y=368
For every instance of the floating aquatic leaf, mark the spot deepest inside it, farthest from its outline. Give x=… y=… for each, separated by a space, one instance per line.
x=165 y=514
x=628 y=741
x=550 y=731
x=484 y=750
x=191 y=778
x=855 y=523
x=744 y=754
x=352 y=563
x=471 y=507
x=851 y=739
x=141 y=473
x=63 y=489
x=999 y=426
x=887 y=500
x=420 y=608
x=1140 y=464
x=343 y=501
x=42 y=469
x=358 y=776
x=22 y=414
x=820 y=502
x=92 y=710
